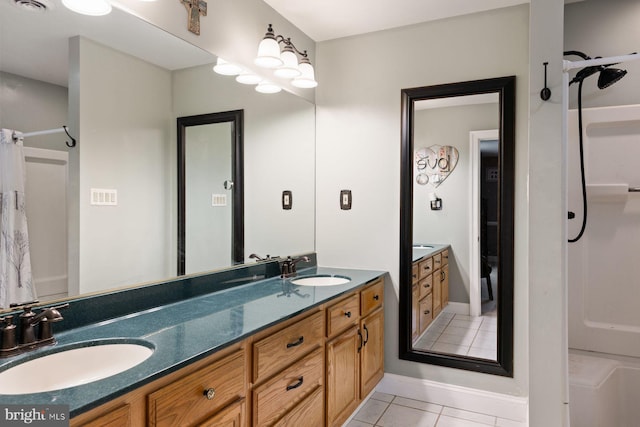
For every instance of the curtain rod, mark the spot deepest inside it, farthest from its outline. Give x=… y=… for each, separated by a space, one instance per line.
x=569 y=65
x=64 y=129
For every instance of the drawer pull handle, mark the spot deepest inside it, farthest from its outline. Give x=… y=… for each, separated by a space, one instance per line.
x=427 y=285
x=360 y=341
x=348 y=314
x=296 y=385
x=210 y=393
x=427 y=312
x=376 y=297
x=297 y=343
x=366 y=340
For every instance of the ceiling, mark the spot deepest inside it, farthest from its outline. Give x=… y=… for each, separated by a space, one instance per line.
x=330 y=19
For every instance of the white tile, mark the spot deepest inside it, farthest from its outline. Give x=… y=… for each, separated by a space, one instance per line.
x=382 y=396
x=468 y=415
x=450 y=348
x=417 y=404
x=488 y=325
x=445 y=421
x=438 y=327
x=465 y=323
x=455 y=339
x=371 y=411
x=503 y=422
x=401 y=416
x=455 y=330
x=356 y=423
x=467 y=317
x=424 y=344
x=485 y=340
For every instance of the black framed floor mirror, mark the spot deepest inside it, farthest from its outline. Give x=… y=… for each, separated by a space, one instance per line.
x=457 y=192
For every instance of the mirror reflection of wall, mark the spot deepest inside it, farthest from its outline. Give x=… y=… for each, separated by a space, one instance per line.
x=123 y=110
x=436 y=124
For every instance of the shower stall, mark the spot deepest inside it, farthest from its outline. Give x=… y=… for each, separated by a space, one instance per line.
x=603 y=153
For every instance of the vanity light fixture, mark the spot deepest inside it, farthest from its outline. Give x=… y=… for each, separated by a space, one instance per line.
x=89 y=7
x=226 y=68
x=248 y=78
x=291 y=63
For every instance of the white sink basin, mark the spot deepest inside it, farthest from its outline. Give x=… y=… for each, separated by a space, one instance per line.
x=422 y=247
x=72 y=367
x=321 y=280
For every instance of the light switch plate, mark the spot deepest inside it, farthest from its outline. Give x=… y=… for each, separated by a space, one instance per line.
x=287 y=200
x=345 y=200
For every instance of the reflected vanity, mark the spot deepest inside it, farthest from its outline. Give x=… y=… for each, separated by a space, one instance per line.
x=458 y=144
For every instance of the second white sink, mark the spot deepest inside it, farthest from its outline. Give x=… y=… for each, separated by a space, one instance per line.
x=72 y=367
x=321 y=280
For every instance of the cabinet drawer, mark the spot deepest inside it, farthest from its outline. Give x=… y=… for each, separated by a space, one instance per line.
x=437 y=260
x=286 y=346
x=426 y=285
x=371 y=297
x=277 y=396
x=184 y=402
x=425 y=268
x=415 y=271
x=426 y=312
x=343 y=314
x=309 y=412
x=445 y=257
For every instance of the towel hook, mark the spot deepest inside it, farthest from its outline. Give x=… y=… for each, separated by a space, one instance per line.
x=73 y=140
x=545 y=93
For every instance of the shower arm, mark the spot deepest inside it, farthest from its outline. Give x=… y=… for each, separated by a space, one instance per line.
x=570 y=65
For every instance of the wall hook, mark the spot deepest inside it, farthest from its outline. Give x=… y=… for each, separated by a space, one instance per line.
x=545 y=93
x=71 y=143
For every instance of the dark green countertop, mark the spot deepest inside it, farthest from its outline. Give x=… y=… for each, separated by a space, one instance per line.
x=186 y=331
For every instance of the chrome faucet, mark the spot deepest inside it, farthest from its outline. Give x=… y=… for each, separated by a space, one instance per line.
x=288 y=267
x=28 y=321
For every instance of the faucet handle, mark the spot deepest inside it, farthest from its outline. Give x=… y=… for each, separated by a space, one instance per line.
x=8 y=333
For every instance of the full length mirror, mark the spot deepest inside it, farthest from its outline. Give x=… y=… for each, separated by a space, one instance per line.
x=456 y=235
x=120 y=84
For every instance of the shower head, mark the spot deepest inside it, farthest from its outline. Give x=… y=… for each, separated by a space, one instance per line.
x=609 y=76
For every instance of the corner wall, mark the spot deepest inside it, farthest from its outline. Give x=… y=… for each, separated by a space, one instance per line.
x=358 y=148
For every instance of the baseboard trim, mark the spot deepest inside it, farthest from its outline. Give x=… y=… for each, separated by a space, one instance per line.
x=469 y=399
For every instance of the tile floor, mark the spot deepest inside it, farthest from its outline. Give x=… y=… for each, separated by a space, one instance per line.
x=462 y=334
x=385 y=410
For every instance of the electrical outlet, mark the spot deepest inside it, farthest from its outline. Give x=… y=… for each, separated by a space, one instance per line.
x=287 y=200
x=345 y=200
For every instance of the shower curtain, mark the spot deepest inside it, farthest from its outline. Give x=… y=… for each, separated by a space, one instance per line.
x=16 y=283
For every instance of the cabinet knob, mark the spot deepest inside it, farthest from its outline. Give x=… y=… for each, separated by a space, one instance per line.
x=348 y=314
x=210 y=393
x=427 y=312
x=376 y=297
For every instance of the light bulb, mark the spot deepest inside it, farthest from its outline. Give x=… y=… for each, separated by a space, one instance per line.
x=268 y=87
x=248 y=78
x=226 y=68
x=89 y=7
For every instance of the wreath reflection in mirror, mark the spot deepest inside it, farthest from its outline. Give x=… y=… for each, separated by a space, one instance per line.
x=434 y=164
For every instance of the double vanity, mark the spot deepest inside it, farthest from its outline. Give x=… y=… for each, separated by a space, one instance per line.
x=429 y=285
x=232 y=348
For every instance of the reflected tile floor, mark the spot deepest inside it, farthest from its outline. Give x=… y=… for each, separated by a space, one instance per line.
x=461 y=334
x=385 y=410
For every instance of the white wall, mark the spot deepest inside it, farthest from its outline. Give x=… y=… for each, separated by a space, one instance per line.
x=358 y=138
x=279 y=154
x=122 y=146
x=451 y=225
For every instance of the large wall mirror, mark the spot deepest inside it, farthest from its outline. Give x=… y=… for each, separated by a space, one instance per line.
x=120 y=84
x=457 y=193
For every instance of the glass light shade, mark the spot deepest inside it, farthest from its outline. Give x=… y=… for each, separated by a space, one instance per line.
x=248 y=78
x=89 y=7
x=307 y=79
x=268 y=87
x=289 y=68
x=226 y=68
x=268 y=53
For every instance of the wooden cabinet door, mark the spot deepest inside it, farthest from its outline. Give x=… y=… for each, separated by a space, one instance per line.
x=119 y=417
x=372 y=352
x=415 y=311
x=445 y=286
x=425 y=312
x=233 y=416
x=343 y=374
x=437 y=293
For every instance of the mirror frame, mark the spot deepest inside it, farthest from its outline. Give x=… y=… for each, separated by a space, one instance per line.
x=505 y=87
x=237 y=118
